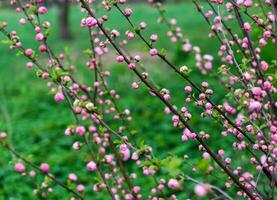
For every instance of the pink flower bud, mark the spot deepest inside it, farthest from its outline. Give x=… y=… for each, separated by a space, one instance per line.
x=247 y=27
x=267 y=85
x=125 y=151
x=264 y=65
x=202 y=96
x=38 y=29
x=90 y=22
x=206 y=155
x=262 y=42
x=185 y=138
x=175 y=118
x=153 y=52
x=80 y=188
x=29 y=64
x=221 y=152
x=143 y=25
x=22 y=21
x=188 y=89
x=135 y=85
x=128 y=12
x=201 y=190
x=132 y=66
x=248 y=3
x=44 y=167
x=267 y=34
x=153 y=38
x=72 y=177
x=119 y=58
x=42 y=48
x=257 y=91
x=29 y=52
x=45 y=75
x=136 y=189
x=130 y=36
x=187 y=47
x=42 y=10
x=167 y=97
x=19 y=167
x=255 y=106
x=80 y=130
x=39 y=37
x=174 y=184
x=59 y=97
x=91 y=166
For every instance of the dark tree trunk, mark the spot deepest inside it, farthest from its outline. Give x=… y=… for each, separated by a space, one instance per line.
x=64 y=9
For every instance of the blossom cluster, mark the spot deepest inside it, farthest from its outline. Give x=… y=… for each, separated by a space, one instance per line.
x=246 y=117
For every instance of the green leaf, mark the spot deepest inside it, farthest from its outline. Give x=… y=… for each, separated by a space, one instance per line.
x=163 y=52
x=203 y=165
x=87 y=52
x=6 y=42
x=101 y=129
x=172 y=165
x=47 y=32
x=112 y=2
x=34 y=9
x=19 y=53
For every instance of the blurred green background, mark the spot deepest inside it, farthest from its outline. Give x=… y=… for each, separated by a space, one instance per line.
x=36 y=123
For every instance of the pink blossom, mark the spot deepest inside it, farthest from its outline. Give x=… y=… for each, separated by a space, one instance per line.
x=80 y=130
x=248 y=3
x=132 y=66
x=255 y=106
x=125 y=151
x=267 y=34
x=153 y=52
x=143 y=25
x=91 y=166
x=19 y=167
x=264 y=65
x=59 y=97
x=29 y=52
x=188 y=89
x=42 y=48
x=39 y=37
x=44 y=167
x=119 y=58
x=90 y=22
x=247 y=27
x=167 y=97
x=135 y=85
x=128 y=12
x=72 y=177
x=267 y=85
x=122 y=1
x=42 y=10
x=206 y=155
x=153 y=37
x=22 y=21
x=201 y=190
x=262 y=42
x=174 y=184
x=257 y=91
x=29 y=64
x=136 y=189
x=80 y=188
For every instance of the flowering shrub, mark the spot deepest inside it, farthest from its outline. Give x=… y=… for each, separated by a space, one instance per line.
x=247 y=115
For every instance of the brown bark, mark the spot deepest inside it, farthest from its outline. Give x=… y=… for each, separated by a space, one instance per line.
x=64 y=10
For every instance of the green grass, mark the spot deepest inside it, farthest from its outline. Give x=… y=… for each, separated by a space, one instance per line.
x=36 y=123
